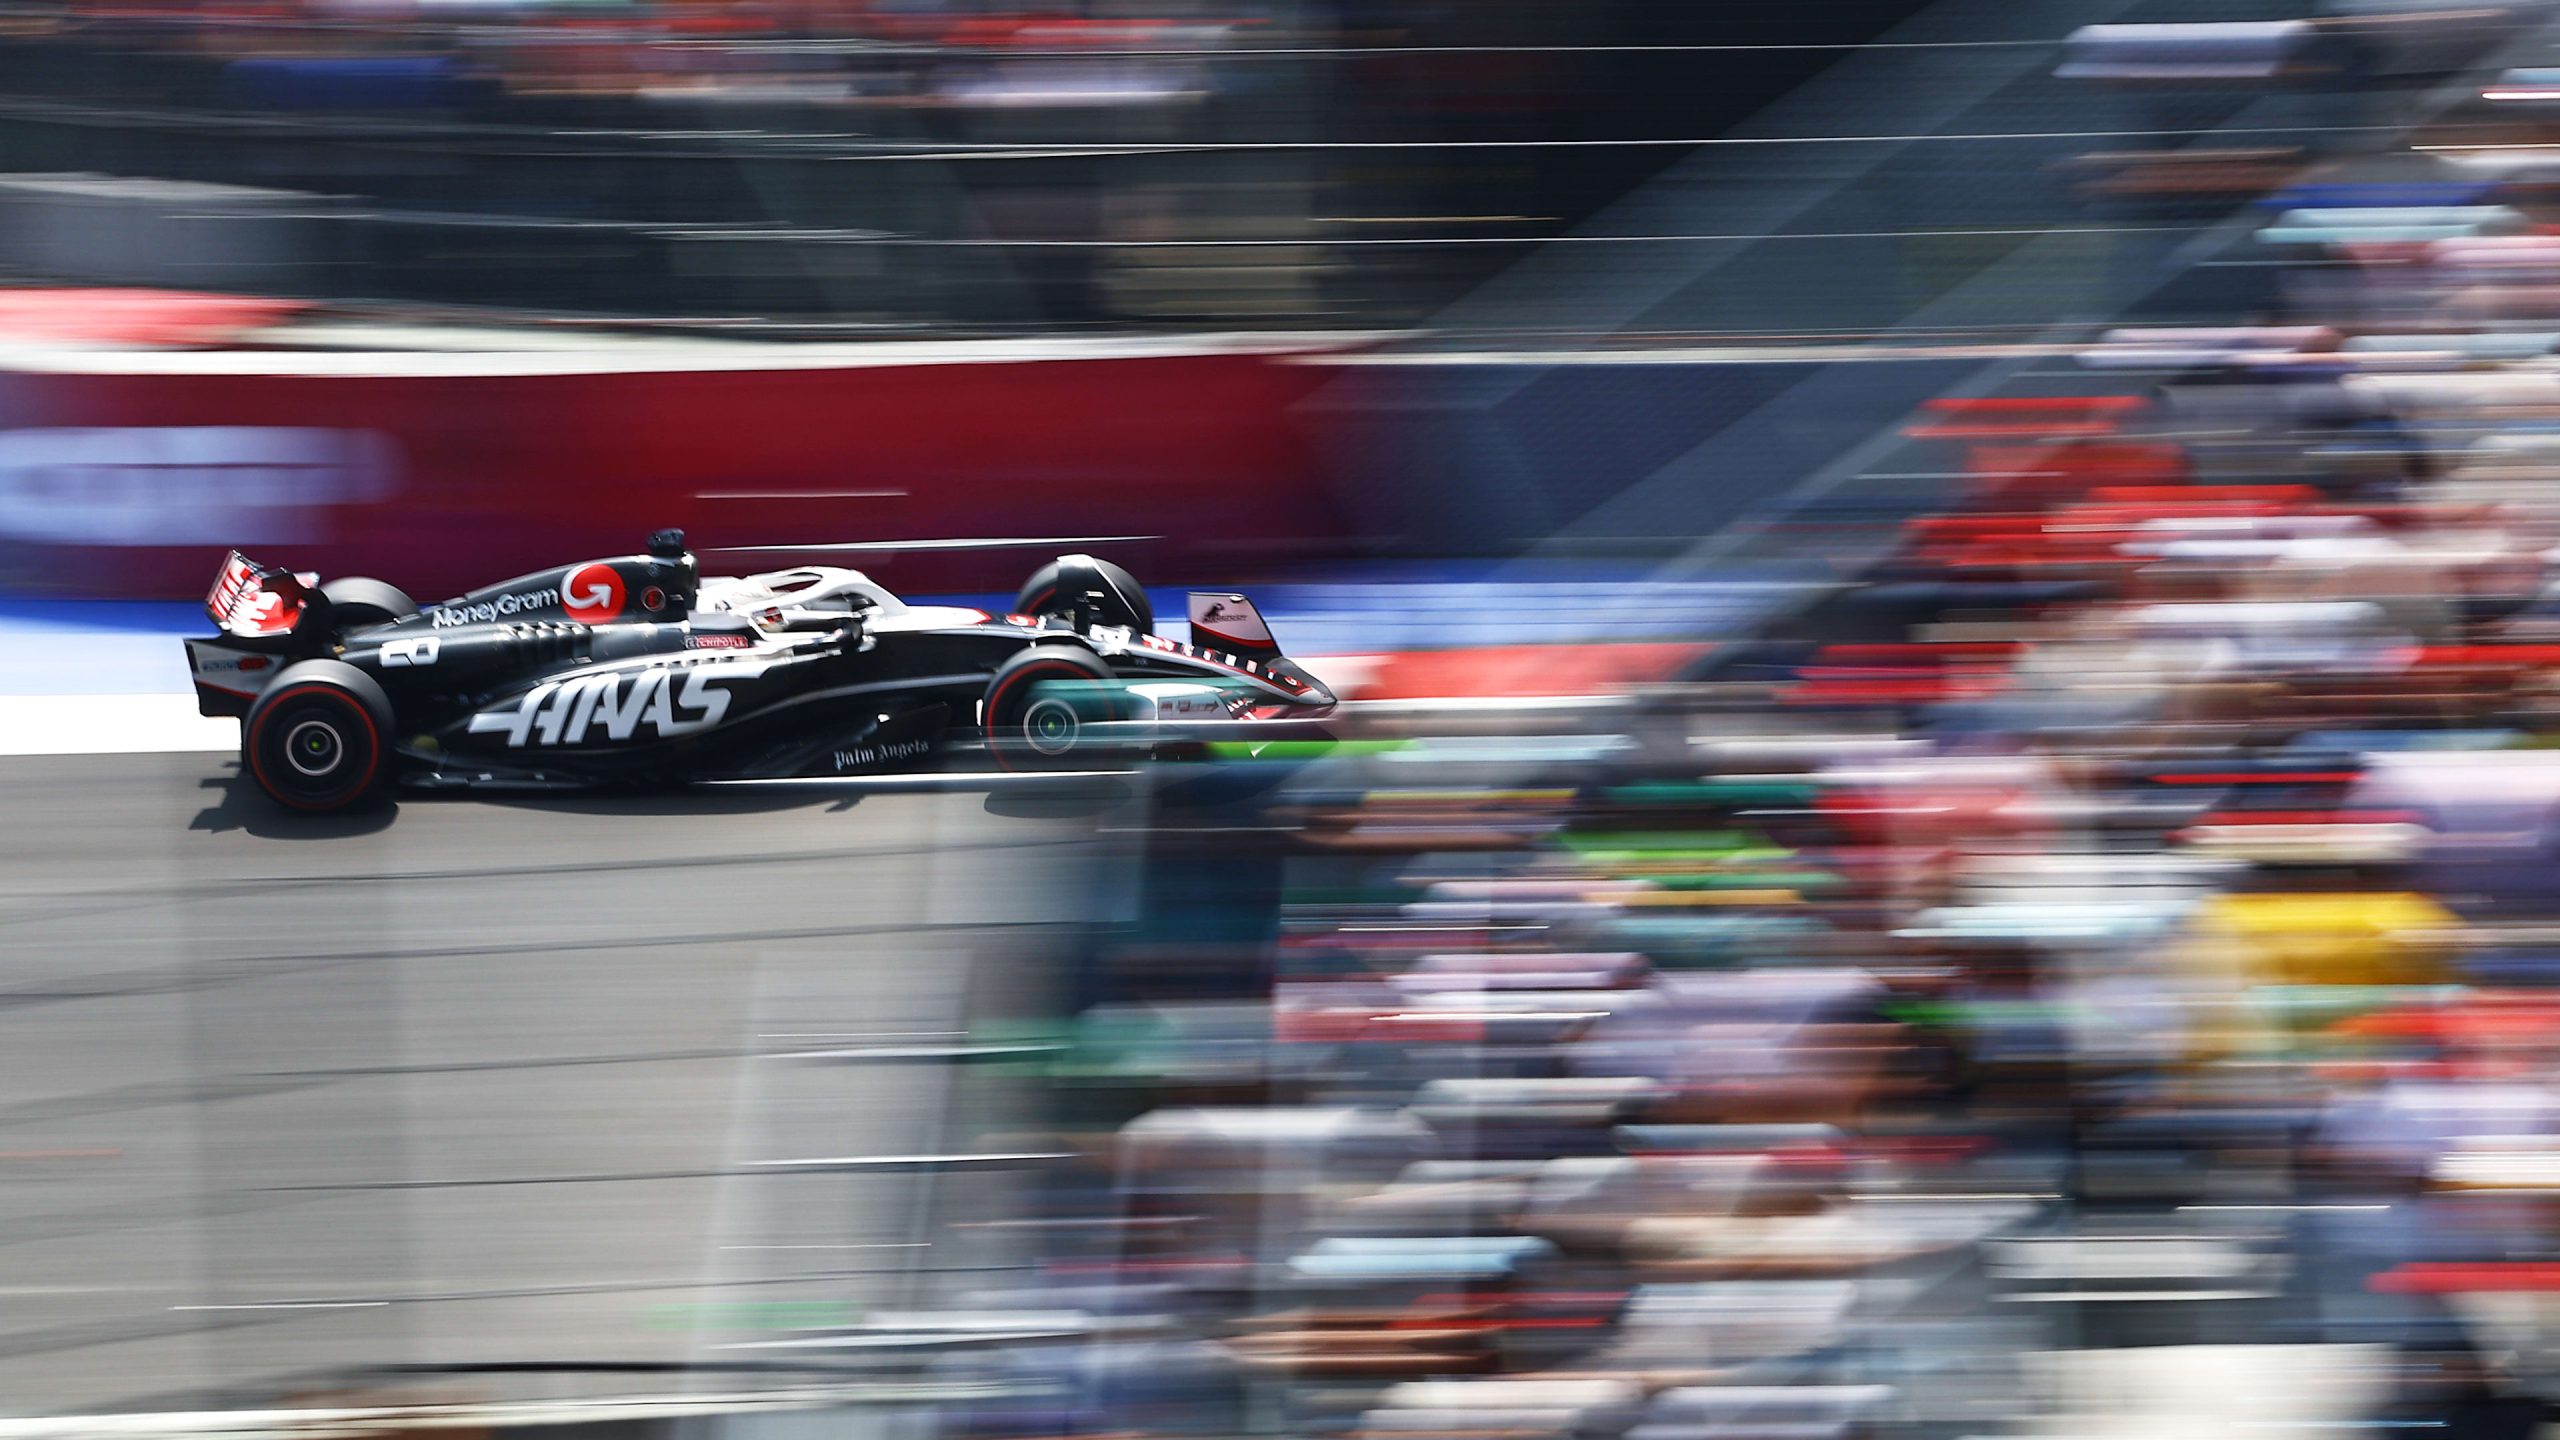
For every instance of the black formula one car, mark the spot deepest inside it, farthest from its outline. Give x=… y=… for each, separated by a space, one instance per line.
x=634 y=670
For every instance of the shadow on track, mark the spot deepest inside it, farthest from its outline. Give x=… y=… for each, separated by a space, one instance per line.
x=1064 y=797
x=242 y=808
x=666 y=802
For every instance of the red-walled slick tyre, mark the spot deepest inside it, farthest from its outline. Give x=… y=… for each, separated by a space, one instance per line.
x=1040 y=708
x=318 y=738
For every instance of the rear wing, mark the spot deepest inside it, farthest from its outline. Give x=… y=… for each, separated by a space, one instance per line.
x=257 y=601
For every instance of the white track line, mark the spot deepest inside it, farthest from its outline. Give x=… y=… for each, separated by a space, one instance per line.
x=110 y=725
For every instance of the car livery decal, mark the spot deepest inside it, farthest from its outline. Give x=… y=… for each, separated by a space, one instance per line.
x=496 y=608
x=592 y=594
x=864 y=757
x=402 y=654
x=1119 y=639
x=1114 y=639
x=230 y=671
x=654 y=704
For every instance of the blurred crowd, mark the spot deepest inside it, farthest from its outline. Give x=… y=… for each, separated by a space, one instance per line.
x=2096 y=966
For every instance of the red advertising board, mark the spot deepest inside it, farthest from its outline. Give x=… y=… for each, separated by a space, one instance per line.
x=132 y=475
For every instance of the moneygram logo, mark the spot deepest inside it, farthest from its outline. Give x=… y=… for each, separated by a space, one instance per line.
x=592 y=594
x=593 y=709
x=480 y=612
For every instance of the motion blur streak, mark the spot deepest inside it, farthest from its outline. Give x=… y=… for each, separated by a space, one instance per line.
x=1944 y=819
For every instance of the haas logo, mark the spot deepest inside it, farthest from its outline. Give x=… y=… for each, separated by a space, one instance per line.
x=592 y=709
x=592 y=594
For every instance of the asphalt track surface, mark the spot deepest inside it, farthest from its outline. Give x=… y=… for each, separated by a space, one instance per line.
x=473 y=1083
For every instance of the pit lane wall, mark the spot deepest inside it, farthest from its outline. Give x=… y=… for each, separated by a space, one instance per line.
x=129 y=473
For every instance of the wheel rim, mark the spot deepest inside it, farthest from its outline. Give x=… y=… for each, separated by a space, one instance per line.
x=313 y=745
x=1051 y=726
x=315 y=749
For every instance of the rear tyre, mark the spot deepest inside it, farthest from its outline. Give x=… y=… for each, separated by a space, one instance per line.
x=318 y=739
x=1059 y=586
x=359 y=601
x=1041 y=708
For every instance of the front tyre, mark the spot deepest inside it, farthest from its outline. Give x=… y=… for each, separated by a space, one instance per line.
x=1042 y=708
x=318 y=738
